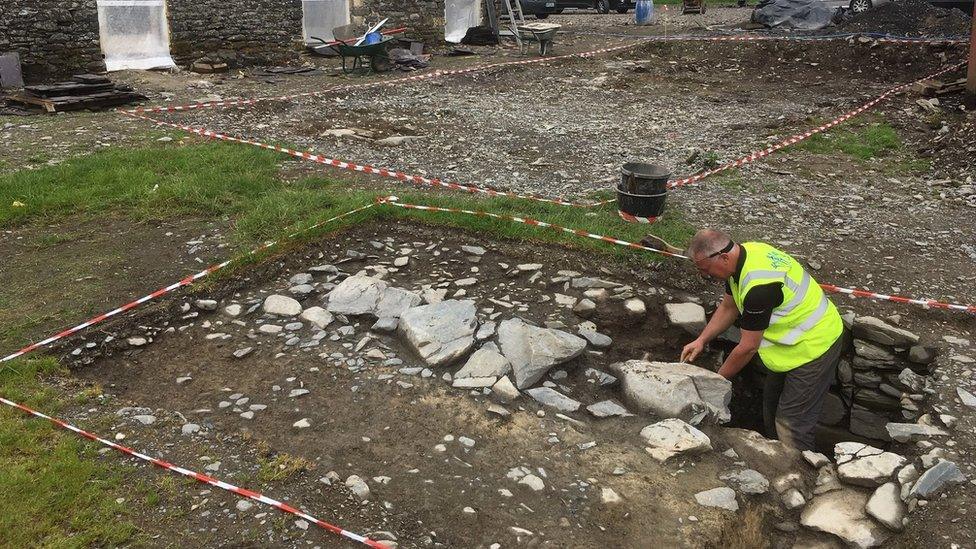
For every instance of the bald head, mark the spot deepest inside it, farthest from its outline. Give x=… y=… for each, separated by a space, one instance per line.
x=707 y=242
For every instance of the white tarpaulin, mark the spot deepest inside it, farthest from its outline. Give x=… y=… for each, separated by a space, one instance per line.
x=134 y=34
x=319 y=17
x=459 y=16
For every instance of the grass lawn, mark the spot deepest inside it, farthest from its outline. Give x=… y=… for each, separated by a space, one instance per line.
x=223 y=180
x=864 y=142
x=54 y=493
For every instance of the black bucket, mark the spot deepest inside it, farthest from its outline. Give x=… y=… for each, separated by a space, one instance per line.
x=644 y=179
x=641 y=205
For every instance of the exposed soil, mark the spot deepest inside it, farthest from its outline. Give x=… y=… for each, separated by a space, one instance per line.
x=910 y=18
x=403 y=421
x=884 y=224
x=55 y=275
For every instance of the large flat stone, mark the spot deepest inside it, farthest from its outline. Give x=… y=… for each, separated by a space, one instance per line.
x=871 y=351
x=356 y=295
x=870 y=470
x=866 y=423
x=935 y=478
x=281 y=305
x=688 y=316
x=879 y=331
x=553 y=399
x=673 y=437
x=441 y=332
x=886 y=506
x=722 y=497
x=748 y=481
x=674 y=389
x=533 y=350
x=841 y=513
x=394 y=301
x=485 y=362
x=904 y=432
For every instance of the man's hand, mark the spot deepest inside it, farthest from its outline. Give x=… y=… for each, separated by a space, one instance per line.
x=691 y=351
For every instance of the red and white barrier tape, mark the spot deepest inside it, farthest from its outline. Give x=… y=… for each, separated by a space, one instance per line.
x=767 y=38
x=793 y=140
x=392 y=201
x=242 y=492
x=416 y=179
x=167 y=289
x=467 y=70
x=366 y=168
x=379 y=83
x=630 y=218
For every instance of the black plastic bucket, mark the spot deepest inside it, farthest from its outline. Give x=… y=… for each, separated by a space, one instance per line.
x=641 y=205
x=644 y=179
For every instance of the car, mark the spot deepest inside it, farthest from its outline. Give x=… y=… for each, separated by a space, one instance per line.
x=854 y=6
x=544 y=8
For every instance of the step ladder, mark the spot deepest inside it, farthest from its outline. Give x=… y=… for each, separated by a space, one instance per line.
x=514 y=17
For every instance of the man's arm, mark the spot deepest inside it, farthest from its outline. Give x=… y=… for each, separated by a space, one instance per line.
x=757 y=310
x=724 y=316
x=742 y=353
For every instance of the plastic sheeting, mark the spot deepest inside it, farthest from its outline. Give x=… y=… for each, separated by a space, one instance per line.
x=319 y=17
x=134 y=34
x=796 y=14
x=459 y=16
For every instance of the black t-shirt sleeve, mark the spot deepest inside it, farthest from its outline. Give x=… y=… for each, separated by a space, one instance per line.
x=757 y=308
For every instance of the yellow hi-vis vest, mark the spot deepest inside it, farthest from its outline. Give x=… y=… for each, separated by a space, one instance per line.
x=805 y=325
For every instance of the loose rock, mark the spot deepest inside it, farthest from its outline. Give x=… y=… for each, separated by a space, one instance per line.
x=673 y=437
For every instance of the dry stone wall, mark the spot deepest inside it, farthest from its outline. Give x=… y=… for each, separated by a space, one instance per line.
x=57 y=38
x=424 y=17
x=246 y=31
x=53 y=37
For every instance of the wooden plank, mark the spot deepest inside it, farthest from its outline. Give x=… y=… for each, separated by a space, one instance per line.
x=74 y=103
x=91 y=79
x=30 y=100
x=67 y=88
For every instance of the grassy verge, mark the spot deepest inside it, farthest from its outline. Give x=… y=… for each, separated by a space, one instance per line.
x=241 y=183
x=876 y=142
x=864 y=143
x=55 y=494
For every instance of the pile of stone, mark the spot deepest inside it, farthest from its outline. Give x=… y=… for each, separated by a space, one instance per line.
x=867 y=494
x=884 y=379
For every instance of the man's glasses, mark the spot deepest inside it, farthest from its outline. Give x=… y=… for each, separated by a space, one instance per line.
x=728 y=248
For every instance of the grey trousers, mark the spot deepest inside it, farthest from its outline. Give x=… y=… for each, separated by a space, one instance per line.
x=792 y=400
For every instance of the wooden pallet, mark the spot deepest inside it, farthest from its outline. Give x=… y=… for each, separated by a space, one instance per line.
x=105 y=99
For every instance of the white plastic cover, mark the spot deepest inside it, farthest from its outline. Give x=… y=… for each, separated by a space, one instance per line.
x=319 y=17
x=459 y=16
x=134 y=34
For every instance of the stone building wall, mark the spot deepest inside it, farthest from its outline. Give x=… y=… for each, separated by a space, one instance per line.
x=53 y=37
x=57 y=38
x=424 y=17
x=256 y=31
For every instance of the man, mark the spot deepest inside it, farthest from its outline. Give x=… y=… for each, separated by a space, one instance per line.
x=785 y=316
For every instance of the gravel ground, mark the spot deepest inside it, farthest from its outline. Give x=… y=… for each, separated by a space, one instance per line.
x=886 y=223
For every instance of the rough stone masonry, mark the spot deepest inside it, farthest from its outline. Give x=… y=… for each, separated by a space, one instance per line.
x=59 y=38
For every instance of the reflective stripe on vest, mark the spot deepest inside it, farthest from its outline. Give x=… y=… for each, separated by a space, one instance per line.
x=805 y=325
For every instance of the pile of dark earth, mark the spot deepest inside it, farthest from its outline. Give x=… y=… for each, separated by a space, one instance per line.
x=909 y=18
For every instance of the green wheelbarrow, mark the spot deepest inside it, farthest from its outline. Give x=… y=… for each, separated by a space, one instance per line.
x=362 y=58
